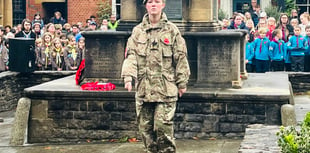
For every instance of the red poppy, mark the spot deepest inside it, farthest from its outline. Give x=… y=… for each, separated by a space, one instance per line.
x=166 y=41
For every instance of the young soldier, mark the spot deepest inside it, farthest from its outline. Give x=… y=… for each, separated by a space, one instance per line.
x=156 y=57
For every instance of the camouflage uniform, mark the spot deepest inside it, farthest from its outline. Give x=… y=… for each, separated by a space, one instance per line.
x=156 y=57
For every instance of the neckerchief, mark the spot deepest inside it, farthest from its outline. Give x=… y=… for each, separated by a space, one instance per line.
x=297 y=41
x=278 y=42
x=26 y=35
x=283 y=34
x=261 y=43
x=237 y=27
x=58 y=59
x=46 y=51
x=72 y=51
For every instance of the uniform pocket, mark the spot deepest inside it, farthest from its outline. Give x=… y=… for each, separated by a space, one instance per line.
x=166 y=52
x=170 y=85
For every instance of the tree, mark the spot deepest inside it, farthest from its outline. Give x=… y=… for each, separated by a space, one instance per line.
x=104 y=10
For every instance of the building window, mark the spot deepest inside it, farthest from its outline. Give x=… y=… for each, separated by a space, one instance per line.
x=303 y=6
x=118 y=9
x=19 y=11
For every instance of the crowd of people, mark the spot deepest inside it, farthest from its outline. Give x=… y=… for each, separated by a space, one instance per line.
x=274 y=44
x=59 y=45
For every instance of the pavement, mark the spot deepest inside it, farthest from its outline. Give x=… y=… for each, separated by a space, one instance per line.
x=302 y=106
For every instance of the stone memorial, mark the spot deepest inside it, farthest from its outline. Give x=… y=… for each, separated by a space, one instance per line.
x=218 y=58
x=62 y=112
x=104 y=56
x=173 y=9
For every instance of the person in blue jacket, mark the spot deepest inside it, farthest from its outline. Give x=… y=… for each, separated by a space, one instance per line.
x=261 y=49
x=307 y=53
x=297 y=46
x=249 y=55
x=277 y=51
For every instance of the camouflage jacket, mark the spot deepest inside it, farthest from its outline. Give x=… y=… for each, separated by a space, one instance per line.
x=156 y=57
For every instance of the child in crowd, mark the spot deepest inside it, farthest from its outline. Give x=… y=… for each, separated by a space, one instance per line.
x=277 y=51
x=64 y=40
x=297 y=46
x=294 y=22
x=56 y=55
x=249 y=55
x=38 y=43
x=45 y=51
x=250 y=25
x=287 y=60
x=81 y=47
x=271 y=24
x=247 y=16
x=4 y=56
x=261 y=48
x=71 y=54
x=307 y=53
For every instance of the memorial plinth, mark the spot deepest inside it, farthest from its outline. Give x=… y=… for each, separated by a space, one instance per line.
x=218 y=58
x=104 y=56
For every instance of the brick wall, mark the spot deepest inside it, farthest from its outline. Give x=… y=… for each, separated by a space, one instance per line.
x=78 y=10
x=12 y=85
x=32 y=8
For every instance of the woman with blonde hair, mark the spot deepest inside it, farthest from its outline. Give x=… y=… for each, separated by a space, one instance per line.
x=250 y=25
x=304 y=18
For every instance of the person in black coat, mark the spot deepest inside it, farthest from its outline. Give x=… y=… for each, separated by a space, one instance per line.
x=238 y=23
x=26 y=30
x=57 y=19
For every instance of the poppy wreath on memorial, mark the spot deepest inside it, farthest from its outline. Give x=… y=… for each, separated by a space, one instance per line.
x=79 y=72
x=91 y=85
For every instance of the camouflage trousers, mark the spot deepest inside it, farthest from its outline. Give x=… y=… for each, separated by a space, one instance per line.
x=155 y=121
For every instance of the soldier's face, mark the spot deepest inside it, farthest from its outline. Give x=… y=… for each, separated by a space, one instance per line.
x=154 y=7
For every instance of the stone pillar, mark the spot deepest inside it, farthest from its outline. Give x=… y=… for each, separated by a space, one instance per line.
x=1 y=11
x=132 y=12
x=21 y=122
x=6 y=12
x=288 y=115
x=200 y=10
x=129 y=10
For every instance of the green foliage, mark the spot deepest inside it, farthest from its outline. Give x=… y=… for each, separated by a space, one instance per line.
x=289 y=5
x=273 y=11
x=292 y=140
x=222 y=15
x=104 y=10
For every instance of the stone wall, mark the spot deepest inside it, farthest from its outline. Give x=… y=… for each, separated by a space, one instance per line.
x=300 y=81
x=12 y=85
x=58 y=120
x=61 y=112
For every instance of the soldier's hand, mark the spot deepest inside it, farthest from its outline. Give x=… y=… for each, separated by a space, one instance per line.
x=182 y=91
x=128 y=86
